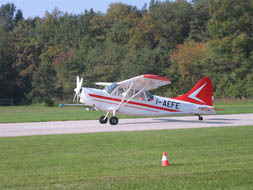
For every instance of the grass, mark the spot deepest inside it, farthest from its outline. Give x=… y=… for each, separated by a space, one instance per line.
x=211 y=158
x=13 y=114
x=234 y=106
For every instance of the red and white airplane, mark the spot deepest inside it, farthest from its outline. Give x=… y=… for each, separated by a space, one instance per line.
x=132 y=97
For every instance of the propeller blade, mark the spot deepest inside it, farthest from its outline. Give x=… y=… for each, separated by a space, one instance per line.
x=74 y=98
x=78 y=89
x=77 y=80
x=79 y=86
x=81 y=82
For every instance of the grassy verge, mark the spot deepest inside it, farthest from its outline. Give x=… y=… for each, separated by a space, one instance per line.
x=13 y=114
x=212 y=158
x=39 y=113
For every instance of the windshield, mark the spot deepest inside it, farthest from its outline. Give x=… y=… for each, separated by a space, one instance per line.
x=111 y=87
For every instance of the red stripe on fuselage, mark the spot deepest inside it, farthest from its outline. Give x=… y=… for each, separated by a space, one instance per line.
x=126 y=105
x=134 y=103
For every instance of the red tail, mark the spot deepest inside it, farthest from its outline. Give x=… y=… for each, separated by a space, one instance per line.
x=201 y=93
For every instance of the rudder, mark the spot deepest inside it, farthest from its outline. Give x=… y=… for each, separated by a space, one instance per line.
x=201 y=93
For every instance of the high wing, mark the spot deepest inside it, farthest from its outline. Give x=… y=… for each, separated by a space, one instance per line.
x=105 y=84
x=135 y=86
x=147 y=82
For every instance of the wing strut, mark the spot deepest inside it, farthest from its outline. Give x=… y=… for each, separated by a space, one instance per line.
x=123 y=103
x=134 y=96
x=123 y=99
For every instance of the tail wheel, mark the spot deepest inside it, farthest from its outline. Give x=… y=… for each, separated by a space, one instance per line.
x=114 y=120
x=103 y=120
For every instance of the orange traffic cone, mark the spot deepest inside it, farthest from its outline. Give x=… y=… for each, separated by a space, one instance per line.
x=165 y=161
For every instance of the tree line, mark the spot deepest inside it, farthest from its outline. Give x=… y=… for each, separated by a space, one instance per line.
x=180 y=40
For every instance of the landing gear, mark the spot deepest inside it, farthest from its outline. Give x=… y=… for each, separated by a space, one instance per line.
x=114 y=120
x=200 y=117
x=103 y=119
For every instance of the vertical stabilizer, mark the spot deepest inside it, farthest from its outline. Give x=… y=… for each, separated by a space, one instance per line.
x=201 y=93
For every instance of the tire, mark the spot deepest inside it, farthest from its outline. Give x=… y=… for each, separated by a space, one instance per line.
x=102 y=120
x=200 y=118
x=114 y=120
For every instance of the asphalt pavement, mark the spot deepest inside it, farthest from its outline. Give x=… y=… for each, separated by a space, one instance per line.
x=143 y=124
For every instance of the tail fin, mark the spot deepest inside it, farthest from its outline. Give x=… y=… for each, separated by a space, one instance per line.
x=201 y=93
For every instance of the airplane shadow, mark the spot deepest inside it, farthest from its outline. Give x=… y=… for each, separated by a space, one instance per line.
x=166 y=120
x=222 y=119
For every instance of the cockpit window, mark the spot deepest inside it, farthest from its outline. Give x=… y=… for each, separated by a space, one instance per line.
x=110 y=88
x=120 y=91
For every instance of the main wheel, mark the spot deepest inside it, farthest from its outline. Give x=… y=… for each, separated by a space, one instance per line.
x=114 y=120
x=200 y=118
x=103 y=120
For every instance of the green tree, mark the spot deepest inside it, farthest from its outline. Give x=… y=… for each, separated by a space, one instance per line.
x=172 y=20
x=229 y=52
x=27 y=51
x=43 y=85
x=229 y=17
x=9 y=16
x=189 y=57
x=198 y=23
x=68 y=65
x=7 y=74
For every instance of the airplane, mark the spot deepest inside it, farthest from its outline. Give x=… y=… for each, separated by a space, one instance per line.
x=132 y=97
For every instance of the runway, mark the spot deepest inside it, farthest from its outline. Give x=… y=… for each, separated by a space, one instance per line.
x=93 y=126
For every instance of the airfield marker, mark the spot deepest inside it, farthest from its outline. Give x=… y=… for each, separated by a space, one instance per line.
x=165 y=161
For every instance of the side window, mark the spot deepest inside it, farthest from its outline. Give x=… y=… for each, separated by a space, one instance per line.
x=110 y=88
x=119 y=92
x=140 y=97
x=149 y=96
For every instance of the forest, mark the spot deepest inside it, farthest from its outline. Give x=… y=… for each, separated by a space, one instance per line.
x=181 y=40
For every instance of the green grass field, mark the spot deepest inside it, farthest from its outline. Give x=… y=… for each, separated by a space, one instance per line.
x=234 y=106
x=13 y=114
x=39 y=113
x=206 y=159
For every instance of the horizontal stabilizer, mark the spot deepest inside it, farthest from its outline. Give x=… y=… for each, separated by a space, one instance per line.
x=61 y=105
x=206 y=108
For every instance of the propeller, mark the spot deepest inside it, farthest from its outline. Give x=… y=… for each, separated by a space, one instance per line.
x=78 y=88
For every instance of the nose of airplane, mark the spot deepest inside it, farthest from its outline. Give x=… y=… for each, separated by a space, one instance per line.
x=78 y=89
x=85 y=97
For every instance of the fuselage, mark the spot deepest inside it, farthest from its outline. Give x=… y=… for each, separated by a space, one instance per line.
x=156 y=106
